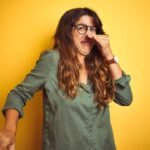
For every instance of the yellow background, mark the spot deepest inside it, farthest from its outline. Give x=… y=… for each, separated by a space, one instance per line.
x=26 y=29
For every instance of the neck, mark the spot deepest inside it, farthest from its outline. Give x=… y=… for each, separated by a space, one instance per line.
x=81 y=60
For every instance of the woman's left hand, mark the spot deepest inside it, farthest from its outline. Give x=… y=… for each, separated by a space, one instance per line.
x=102 y=42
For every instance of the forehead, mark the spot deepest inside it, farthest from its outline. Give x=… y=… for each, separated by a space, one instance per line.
x=88 y=20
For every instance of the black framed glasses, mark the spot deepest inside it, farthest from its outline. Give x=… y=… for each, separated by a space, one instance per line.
x=83 y=28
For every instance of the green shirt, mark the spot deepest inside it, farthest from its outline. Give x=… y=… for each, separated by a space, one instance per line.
x=68 y=124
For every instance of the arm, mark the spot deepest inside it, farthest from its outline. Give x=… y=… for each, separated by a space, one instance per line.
x=11 y=120
x=8 y=133
x=17 y=98
x=123 y=93
x=33 y=82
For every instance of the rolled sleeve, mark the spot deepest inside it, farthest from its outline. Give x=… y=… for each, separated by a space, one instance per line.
x=123 y=93
x=32 y=82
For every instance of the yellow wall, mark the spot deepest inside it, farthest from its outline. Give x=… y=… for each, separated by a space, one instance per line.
x=27 y=27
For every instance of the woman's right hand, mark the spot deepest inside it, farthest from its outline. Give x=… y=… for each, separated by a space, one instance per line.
x=8 y=133
x=7 y=140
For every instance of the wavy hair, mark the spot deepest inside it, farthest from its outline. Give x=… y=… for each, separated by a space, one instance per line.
x=69 y=65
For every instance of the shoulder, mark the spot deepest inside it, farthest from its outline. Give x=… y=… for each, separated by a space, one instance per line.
x=50 y=56
x=50 y=53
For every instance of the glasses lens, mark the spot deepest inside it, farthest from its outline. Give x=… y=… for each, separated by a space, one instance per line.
x=93 y=29
x=81 y=29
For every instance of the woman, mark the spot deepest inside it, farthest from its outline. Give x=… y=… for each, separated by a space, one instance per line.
x=79 y=78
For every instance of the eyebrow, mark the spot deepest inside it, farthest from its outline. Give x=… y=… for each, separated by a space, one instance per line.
x=85 y=25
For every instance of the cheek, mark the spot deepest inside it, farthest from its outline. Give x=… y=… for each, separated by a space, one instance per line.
x=77 y=37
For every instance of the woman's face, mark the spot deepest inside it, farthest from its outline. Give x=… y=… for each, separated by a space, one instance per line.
x=81 y=32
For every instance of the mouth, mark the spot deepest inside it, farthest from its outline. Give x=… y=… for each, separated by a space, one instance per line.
x=86 y=42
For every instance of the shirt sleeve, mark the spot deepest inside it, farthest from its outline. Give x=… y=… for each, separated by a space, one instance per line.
x=123 y=93
x=34 y=81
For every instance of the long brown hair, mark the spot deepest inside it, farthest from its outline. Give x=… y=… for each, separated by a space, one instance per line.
x=69 y=65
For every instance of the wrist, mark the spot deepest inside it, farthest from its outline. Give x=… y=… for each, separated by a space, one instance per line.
x=108 y=57
x=10 y=128
x=111 y=60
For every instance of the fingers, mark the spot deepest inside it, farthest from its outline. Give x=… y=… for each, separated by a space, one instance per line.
x=1 y=148
x=101 y=37
x=5 y=142
x=97 y=37
x=11 y=147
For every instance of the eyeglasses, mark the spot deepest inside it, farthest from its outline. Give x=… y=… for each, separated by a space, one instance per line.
x=83 y=28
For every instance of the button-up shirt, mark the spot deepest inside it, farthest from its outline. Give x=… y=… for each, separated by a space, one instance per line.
x=68 y=124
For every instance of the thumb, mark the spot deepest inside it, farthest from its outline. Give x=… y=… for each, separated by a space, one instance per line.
x=11 y=147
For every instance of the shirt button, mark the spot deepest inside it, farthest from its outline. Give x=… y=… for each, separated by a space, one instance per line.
x=92 y=148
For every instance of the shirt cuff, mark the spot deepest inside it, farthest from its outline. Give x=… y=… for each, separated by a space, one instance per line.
x=11 y=107
x=124 y=80
x=14 y=102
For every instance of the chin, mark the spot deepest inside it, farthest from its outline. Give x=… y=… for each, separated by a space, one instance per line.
x=87 y=50
x=84 y=52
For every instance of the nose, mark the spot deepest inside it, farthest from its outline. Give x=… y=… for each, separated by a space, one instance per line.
x=89 y=29
x=89 y=33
